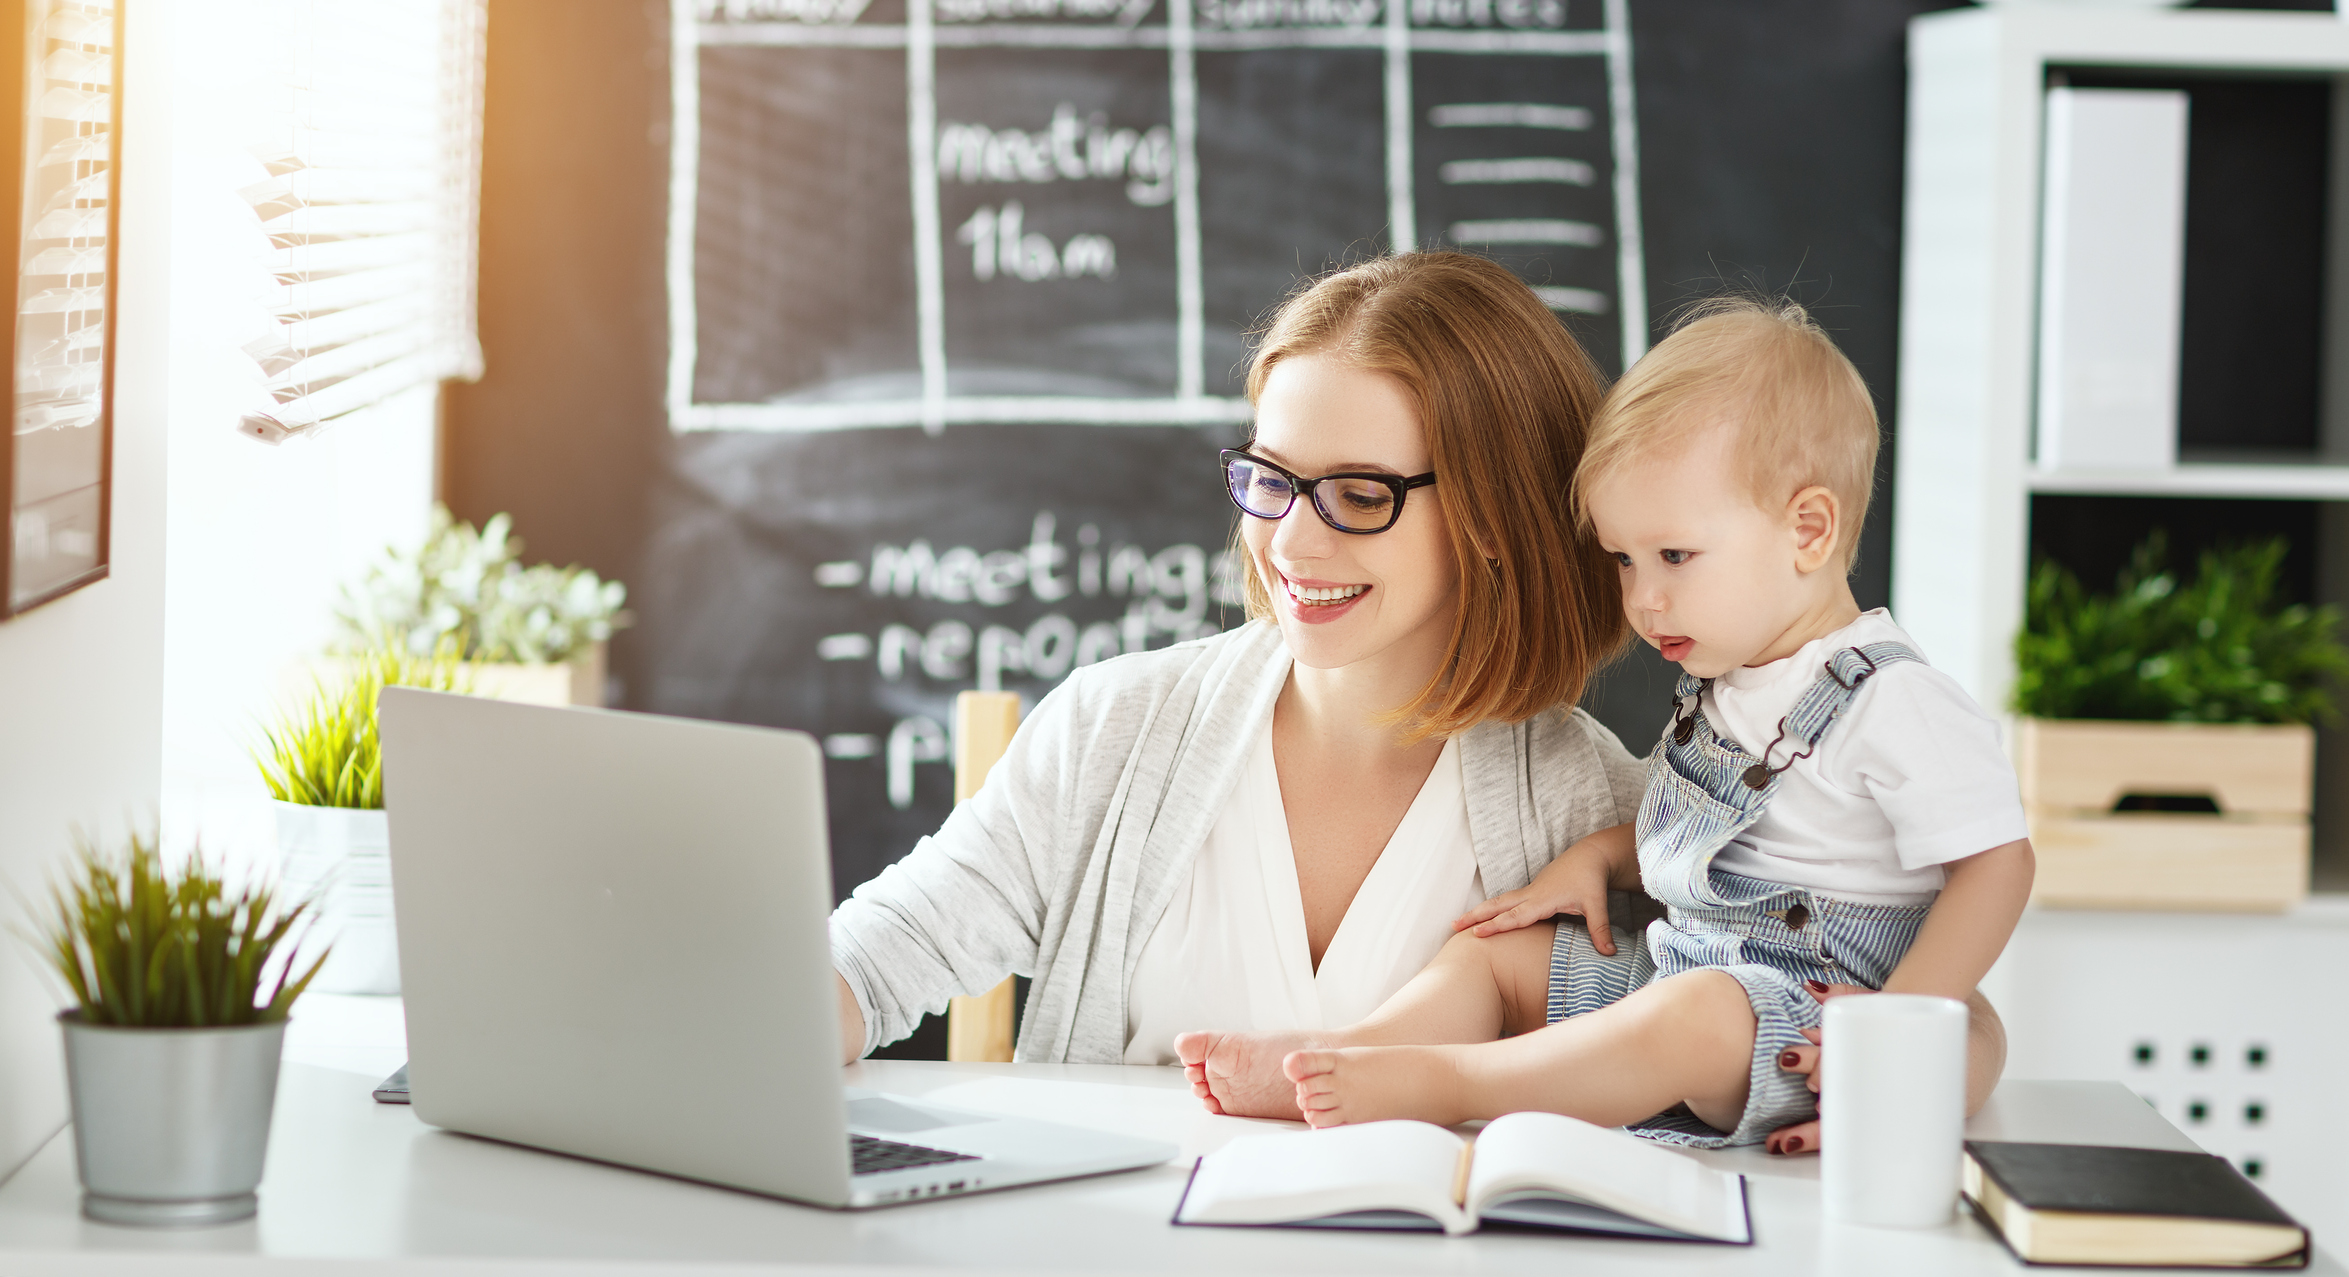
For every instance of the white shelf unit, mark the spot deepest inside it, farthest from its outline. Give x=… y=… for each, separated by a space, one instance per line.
x=2271 y=482
x=2232 y=1026
x=1963 y=478
x=2083 y=991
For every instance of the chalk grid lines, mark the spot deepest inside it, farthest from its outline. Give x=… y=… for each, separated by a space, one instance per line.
x=920 y=36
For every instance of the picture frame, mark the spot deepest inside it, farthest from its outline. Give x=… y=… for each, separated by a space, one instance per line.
x=60 y=65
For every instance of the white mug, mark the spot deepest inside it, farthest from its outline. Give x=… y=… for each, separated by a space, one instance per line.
x=1892 y=1109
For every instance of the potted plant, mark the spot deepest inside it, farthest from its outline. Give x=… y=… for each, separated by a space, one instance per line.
x=537 y=633
x=2165 y=748
x=182 y=988
x=324 y=767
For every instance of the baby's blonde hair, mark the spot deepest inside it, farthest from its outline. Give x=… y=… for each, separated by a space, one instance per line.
x=1800 y=412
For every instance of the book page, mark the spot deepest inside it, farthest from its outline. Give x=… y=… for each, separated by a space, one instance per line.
x=1277 y=1179
x=1623 y=1173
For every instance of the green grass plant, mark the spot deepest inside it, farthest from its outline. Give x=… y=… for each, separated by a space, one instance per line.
x=2219 y=648
x=325 y=752
x=141 y=946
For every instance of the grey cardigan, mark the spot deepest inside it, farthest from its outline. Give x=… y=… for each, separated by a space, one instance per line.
x=1062 y=863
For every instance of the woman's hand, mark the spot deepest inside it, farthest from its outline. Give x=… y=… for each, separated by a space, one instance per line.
x=1576 y=883
x=1985 y=1061
x=1803 y=1137
x=852 y=1021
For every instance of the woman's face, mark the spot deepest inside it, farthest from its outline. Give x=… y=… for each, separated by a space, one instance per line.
x=1343 y=598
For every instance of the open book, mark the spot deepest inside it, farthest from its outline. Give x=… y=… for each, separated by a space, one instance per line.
x=1536 y=1169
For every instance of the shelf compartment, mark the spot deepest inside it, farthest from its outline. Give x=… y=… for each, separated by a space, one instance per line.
x=2279 y=481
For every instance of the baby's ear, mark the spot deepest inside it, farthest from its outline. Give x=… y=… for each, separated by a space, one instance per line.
x=1815 y=519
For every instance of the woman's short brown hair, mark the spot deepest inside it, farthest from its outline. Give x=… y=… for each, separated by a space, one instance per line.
x=1506 y=397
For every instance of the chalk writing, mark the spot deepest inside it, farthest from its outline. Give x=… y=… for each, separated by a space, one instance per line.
x=1178 y=582
x=998 y=243
x=1127 y=12
x=1166 y=595
x=1484 y=13
x=1069 y=149
x=1243 y=14
x=816 y=11
x=1525 y=115
x=918 y=739
x=1535 y=169
x=1526 y=230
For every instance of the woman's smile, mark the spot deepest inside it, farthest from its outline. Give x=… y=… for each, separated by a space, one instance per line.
x=1315 y=602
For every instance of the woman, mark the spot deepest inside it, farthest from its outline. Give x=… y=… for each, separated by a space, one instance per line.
x=1276 y=826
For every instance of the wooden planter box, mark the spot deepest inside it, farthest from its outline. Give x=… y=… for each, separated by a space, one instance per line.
x=578 y=681
x=2250 y=855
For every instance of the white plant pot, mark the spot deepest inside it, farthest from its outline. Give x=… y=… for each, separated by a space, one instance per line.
x=347 y=852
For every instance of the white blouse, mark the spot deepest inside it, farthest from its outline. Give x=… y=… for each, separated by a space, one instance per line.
x=1230 y=951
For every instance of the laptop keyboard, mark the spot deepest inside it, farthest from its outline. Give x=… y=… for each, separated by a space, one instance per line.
x=868 y=1155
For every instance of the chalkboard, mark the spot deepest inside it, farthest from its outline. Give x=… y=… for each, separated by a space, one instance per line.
x=959 y=292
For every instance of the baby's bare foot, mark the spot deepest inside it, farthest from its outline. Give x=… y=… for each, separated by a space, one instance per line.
x=1240 y=1073
x=1372 y=1083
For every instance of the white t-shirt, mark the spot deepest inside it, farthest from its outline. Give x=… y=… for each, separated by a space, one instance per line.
x=1230 y=951
x=1909 y=778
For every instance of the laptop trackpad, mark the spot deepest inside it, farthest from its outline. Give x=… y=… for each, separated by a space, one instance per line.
x=876 y=1114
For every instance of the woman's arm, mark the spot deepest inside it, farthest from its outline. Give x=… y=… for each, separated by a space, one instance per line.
x=1969 y=924
x=852 y=1022
x=966 y=906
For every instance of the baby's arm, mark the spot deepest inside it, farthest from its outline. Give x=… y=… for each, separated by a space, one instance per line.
x=1576 y=882
x=1969 y=923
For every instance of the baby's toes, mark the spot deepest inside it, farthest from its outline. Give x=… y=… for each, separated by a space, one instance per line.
x=1321 y=1110
x=1192 y=1048
x=1301 y=1065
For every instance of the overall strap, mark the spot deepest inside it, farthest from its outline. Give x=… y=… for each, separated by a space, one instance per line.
x=1687 y=693
x=1846 y=671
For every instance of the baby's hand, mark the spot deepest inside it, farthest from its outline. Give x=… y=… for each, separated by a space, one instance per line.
x=1575 y=883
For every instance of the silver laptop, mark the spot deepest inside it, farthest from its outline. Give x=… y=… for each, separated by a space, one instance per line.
x=612 y=944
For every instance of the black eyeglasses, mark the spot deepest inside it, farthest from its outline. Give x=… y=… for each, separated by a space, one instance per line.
x=1355 y=502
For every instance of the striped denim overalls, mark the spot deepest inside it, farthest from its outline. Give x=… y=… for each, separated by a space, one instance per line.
x=1702 y=791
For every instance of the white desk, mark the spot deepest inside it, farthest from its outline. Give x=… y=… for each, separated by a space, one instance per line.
x=351 y=1179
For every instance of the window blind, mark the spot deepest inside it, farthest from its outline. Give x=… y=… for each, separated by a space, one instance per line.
x=54 y=537
x=61 y=325
x=365 y=120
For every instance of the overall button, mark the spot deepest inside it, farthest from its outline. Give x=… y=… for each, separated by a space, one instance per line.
x=1682 y=733
x=1757 y=776
x=1797 y=916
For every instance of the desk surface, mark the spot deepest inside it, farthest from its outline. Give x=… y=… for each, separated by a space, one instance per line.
x=352 y=1179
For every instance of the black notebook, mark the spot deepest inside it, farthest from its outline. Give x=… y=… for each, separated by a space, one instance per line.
x=1531 y=1170
x=2137 y=1207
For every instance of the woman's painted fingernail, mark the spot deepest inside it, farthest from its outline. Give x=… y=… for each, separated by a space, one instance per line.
x=1788 y=1059
x=1794 y=1143
x=1815 y=986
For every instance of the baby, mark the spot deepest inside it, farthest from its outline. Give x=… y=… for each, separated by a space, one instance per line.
x=1824 y=809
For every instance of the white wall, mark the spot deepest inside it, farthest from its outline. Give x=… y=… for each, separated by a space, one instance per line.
x=259 y=538
x=136 y=699
x=81 y=680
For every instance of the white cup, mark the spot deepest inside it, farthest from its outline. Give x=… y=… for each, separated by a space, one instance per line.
x=1892 y=1109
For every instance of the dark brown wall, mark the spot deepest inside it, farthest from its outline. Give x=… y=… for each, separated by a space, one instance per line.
x=564 y=430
